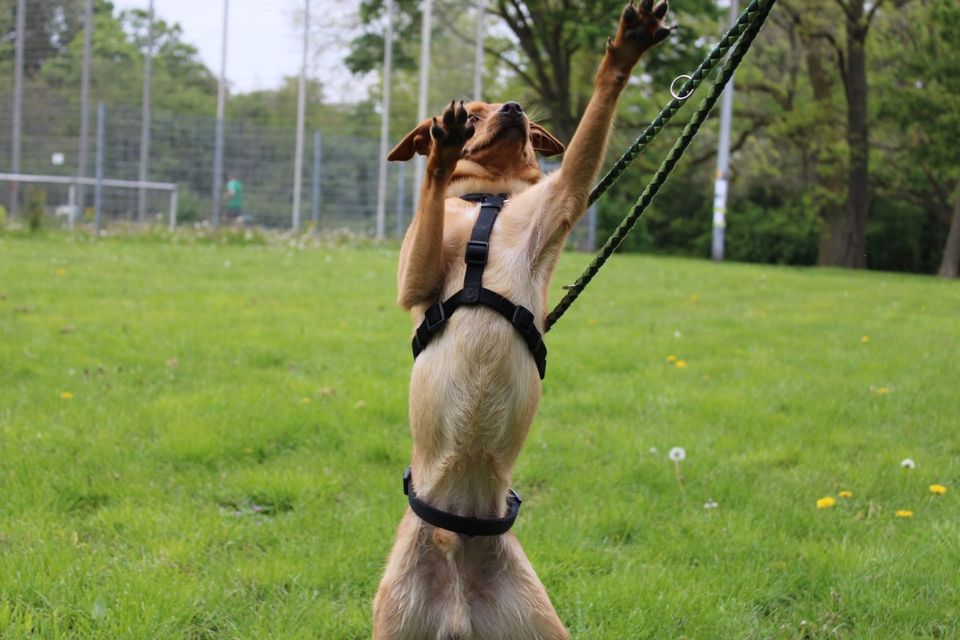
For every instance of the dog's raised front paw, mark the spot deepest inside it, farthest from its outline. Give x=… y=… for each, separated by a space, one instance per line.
x=451 y=130
x=641 y=27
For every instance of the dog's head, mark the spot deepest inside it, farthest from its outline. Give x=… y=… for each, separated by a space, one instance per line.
x=505 y=141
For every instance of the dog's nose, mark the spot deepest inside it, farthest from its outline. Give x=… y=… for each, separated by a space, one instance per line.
x=511 y=109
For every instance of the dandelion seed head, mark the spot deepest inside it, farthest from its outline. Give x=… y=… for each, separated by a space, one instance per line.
x=908 y=463
x=677 y=454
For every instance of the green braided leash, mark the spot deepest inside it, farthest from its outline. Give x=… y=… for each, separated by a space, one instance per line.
x=753 y=17
x=749 y=15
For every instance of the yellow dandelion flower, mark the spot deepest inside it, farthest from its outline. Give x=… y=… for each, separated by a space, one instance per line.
x=671 y=358
x=938 y=489
x=865 y=339
x=66 y=395
x=826 y=502
x=904 y=513
x=680 y=364
x=61 y=272
x=846 y=494
x=304 y=400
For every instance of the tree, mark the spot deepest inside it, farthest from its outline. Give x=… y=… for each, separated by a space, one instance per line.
x=924 y=107
x=552 y=48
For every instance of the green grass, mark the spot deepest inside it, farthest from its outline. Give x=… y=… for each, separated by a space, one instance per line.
x=229 y=463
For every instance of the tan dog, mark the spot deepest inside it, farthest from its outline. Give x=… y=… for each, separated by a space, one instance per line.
x=475 y=389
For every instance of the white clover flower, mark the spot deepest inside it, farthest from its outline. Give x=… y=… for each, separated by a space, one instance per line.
x=653 y=450
x=677 y=454
x=908 y=463
x=711 y=504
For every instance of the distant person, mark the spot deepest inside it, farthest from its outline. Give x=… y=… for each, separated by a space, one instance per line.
x=235 y=200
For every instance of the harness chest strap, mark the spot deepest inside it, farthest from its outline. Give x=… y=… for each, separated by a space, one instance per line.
x=474 y=293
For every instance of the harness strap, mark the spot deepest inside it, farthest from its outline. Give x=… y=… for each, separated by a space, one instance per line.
x=474 y=293
x=461 y=524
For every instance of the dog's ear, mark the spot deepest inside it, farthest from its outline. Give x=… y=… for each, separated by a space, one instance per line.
x=417 y=141
x=543 y=141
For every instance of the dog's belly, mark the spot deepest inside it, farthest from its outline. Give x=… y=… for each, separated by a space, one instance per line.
x=473 y=394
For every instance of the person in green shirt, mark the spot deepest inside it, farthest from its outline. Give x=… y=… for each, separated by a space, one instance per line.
x=234 y=200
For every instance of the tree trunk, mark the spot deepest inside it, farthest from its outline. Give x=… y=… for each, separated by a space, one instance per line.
x=950 y=264
x=829 y=208
x=850 y=250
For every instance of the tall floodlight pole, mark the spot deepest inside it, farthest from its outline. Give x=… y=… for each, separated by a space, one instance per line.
x=17 y=104
x=385 y=122
x=218 y=134
x=425 y=31
x=723 y=162
x=478 y=51
x=84 y=106
x=145 y=118
x=301 y=114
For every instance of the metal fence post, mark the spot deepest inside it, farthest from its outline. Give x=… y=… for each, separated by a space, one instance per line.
x=315 y=183
x=84 y=106
x=173 y=209
x=218 y=133
x=301 y=114
x=401 y=195
x=98 y=187
x=17 y=104
x=145 y=118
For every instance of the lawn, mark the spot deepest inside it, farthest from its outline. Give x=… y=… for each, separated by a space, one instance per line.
x=202 y=441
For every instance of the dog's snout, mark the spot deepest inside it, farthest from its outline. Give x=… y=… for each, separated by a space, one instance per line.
x=511 y=109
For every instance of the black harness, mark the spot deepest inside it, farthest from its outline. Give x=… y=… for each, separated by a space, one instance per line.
x=473 y=292
x=462 y=524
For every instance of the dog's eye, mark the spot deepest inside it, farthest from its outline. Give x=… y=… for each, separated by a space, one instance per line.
x=473 y=118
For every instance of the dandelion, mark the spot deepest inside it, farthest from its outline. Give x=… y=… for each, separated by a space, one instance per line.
x=879 y=391
x=846 y=494
x=826 y=502
x=865 y=339
x=671 y=358
x=653 y=450
x=904 y=513
x=66 y=395
x=680 y=364
x=938 y=489
x=304 y=400
x=61 y=272
x=908 y=463
x=676 y=455
x=711 y=504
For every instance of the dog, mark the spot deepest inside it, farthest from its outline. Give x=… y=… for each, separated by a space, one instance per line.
x=474 y=388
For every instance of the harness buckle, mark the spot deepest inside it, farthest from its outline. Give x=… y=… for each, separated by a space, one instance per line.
x=439 y=316
x=477 y=251
x=522 y=319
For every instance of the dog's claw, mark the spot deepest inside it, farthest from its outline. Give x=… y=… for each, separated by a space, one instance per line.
x=661 y=10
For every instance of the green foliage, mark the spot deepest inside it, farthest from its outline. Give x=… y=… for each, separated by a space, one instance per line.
x=227 y=461
x=766 y=228
x=36 y=203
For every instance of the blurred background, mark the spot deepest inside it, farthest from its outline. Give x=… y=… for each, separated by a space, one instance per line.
x=844 y=139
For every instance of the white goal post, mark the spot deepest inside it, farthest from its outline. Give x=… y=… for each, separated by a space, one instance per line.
x=105 y=182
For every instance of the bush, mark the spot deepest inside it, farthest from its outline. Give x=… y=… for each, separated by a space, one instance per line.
x=766 y=233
